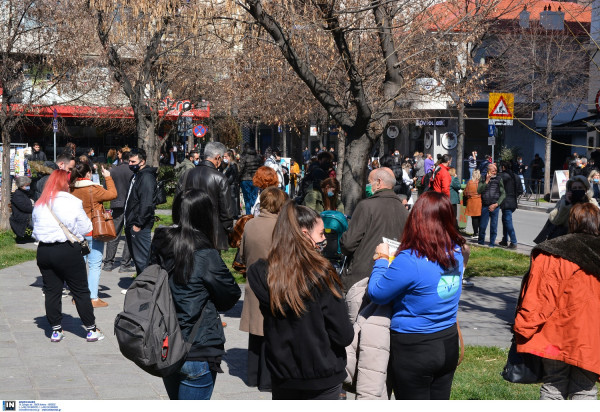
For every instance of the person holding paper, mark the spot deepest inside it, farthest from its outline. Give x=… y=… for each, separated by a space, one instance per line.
x=423 y=284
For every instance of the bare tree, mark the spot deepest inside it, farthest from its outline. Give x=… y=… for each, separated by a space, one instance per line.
x=543 y=66
x=39 y=63
x=153 y=49
x=349 y=56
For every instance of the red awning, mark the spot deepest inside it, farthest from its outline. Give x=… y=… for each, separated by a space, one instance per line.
x=101 y=112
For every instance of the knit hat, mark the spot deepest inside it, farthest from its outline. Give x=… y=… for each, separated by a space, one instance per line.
x=22 y=181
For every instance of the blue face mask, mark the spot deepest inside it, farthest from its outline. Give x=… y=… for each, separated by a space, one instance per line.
x=330 y=193
x=196 y=162
x=26 y=188
x=596 y=180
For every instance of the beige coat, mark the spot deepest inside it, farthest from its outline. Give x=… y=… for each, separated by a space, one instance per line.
x=256 y=242
x=369 y=353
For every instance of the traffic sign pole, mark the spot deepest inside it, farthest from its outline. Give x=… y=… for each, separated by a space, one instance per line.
x=55 y=129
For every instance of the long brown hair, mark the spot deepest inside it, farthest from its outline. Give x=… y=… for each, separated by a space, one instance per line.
x=330 y=203
x=295 y=266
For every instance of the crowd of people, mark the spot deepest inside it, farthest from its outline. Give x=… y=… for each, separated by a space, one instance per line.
x=315 y=276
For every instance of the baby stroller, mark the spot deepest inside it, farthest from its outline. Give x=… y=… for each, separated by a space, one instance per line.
x=335 y=225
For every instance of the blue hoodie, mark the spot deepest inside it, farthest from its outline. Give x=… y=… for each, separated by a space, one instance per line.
x=424 y=295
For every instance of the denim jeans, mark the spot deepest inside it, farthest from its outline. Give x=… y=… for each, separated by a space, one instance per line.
x=486 y=216
x=508 y=230
x=250 y=193
x=139 y=246
x=564 y=381
x=471 y=170
x=523 y=183
x=194 y=381
x=94 y=263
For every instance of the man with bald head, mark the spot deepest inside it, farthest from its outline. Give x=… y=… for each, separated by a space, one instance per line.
x=381 y=215
x=492 y=196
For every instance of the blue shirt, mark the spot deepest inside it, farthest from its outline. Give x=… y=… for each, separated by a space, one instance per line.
x=424 y=295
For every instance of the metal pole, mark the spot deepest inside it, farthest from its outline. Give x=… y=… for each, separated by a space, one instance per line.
x=54 y=147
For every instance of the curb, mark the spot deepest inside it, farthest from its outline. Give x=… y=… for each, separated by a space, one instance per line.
x=540 y=209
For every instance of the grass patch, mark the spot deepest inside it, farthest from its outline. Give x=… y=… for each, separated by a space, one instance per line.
x=496 y=262
x=10 y=253
x=163 y=220
x=168 y=205
x=228 y=257
x=478 y=377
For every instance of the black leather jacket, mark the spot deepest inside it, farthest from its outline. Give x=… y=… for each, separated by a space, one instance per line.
x=207 y=178
x=140 y=203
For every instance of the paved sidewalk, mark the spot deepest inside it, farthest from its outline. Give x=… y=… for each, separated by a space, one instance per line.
x=33 y=368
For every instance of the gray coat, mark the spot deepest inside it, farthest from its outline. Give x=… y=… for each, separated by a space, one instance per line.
x=381 y=215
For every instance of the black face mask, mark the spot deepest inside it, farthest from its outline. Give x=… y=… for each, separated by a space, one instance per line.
x=321 y=245
x=577 y=195
x=134 y=168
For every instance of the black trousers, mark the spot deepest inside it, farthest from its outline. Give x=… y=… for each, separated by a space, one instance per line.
x=59 y=263
x=139 y=247
x=329 y=394
x=475 y=222
x=118 y=215
x=258 y=373
x=423 y=364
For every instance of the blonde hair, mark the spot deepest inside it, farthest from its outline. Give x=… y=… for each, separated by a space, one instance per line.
x=476 y=175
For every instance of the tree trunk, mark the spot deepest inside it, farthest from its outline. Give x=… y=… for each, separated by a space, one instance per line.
x=354 y=175
x=547 y=167
x=147 y=139
x=460 y=145
x=6 y=181
x=341 y=154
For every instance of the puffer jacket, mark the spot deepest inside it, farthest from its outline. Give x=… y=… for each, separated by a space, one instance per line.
x=369 y=353
x=249 y=164
x=208 y=179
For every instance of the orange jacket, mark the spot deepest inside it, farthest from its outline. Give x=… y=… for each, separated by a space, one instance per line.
x=92 y=194
x=558 y=315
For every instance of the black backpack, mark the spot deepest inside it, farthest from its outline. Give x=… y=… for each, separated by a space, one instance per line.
x=160 y=193
x=428 y=178
x=147 y=329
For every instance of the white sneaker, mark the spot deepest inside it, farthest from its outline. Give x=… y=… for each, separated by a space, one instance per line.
x=57 y=336
x=95 y=336
x=123 y=291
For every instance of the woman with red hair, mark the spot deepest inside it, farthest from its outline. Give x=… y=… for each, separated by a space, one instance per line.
x=423 y=284
x=59 y=259
x=263 y=178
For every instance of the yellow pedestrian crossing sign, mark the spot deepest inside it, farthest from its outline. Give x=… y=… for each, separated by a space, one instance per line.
x=501 y=108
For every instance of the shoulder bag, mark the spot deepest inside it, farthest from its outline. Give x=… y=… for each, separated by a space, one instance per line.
x=85 y=247
x=103 y=227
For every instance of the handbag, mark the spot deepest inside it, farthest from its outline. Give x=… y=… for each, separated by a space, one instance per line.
x=235 y=236
x=85 y=247
x=522 y=367
x=103 y=226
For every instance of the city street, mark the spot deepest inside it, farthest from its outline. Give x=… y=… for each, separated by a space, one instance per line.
x=527 y=223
